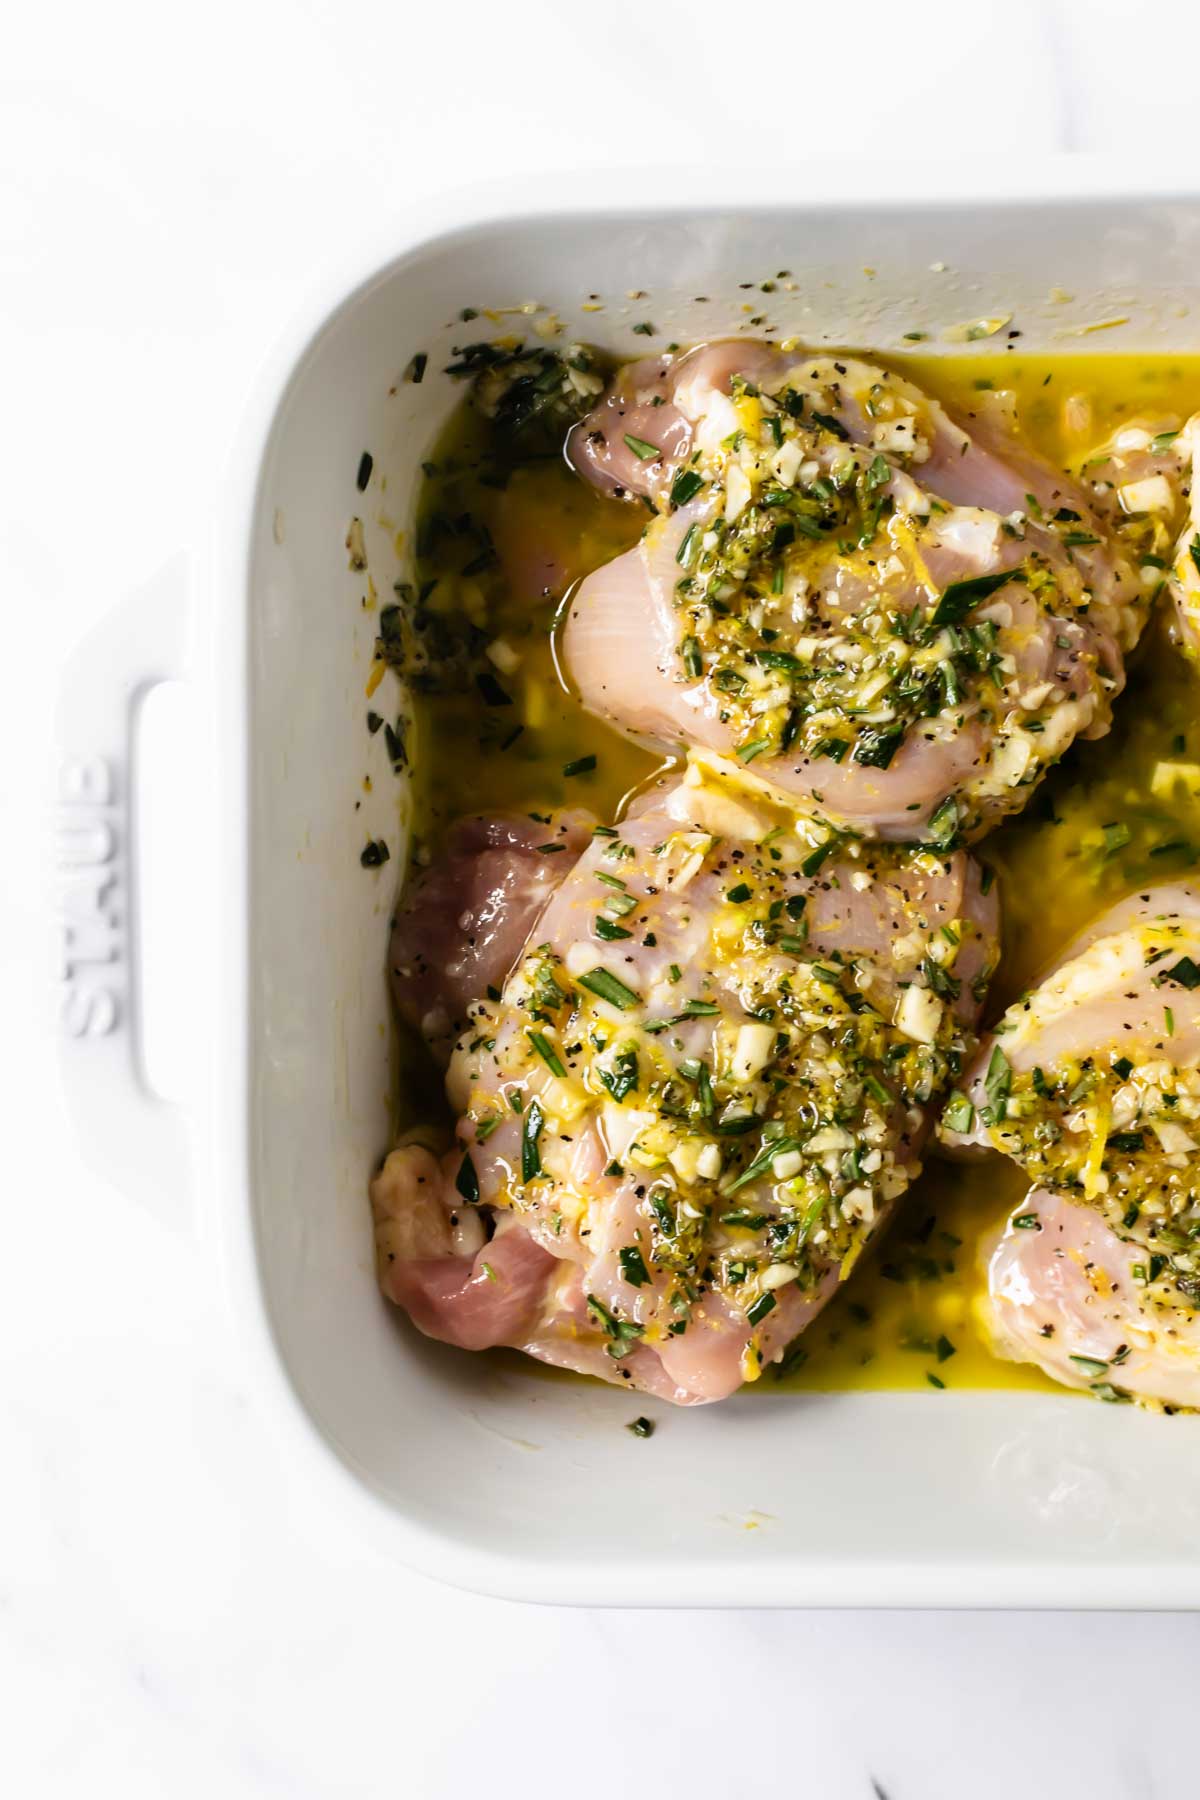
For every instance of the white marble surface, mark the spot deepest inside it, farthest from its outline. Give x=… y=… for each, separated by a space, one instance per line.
x=177 y=1619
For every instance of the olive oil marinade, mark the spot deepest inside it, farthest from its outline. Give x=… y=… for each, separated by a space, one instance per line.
x=506 y=531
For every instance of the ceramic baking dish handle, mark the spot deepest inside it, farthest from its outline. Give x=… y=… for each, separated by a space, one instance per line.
x=128 y=1133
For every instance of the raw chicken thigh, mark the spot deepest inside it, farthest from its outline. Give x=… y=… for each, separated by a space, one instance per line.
x=1068 y=1293
x=1140 y=484
x=466 y=917
x=690 y=1098
x=847 y=597
x=1185 y=569
x=1092 y=1084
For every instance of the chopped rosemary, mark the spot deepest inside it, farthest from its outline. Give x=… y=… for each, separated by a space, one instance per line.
x=959 y=597
x=621 y=1079
x=686 y=552
x=633 y=1266
x=531 y=1131
x=778 y=1146
x=959 y=1114
x=622 y=1333
x=547 y=1053
x=490 y=690
x=685 y=487
x=607 y=986
x=997 y=1084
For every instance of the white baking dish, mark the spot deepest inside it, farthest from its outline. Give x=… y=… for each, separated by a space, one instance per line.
x=497 y=1478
